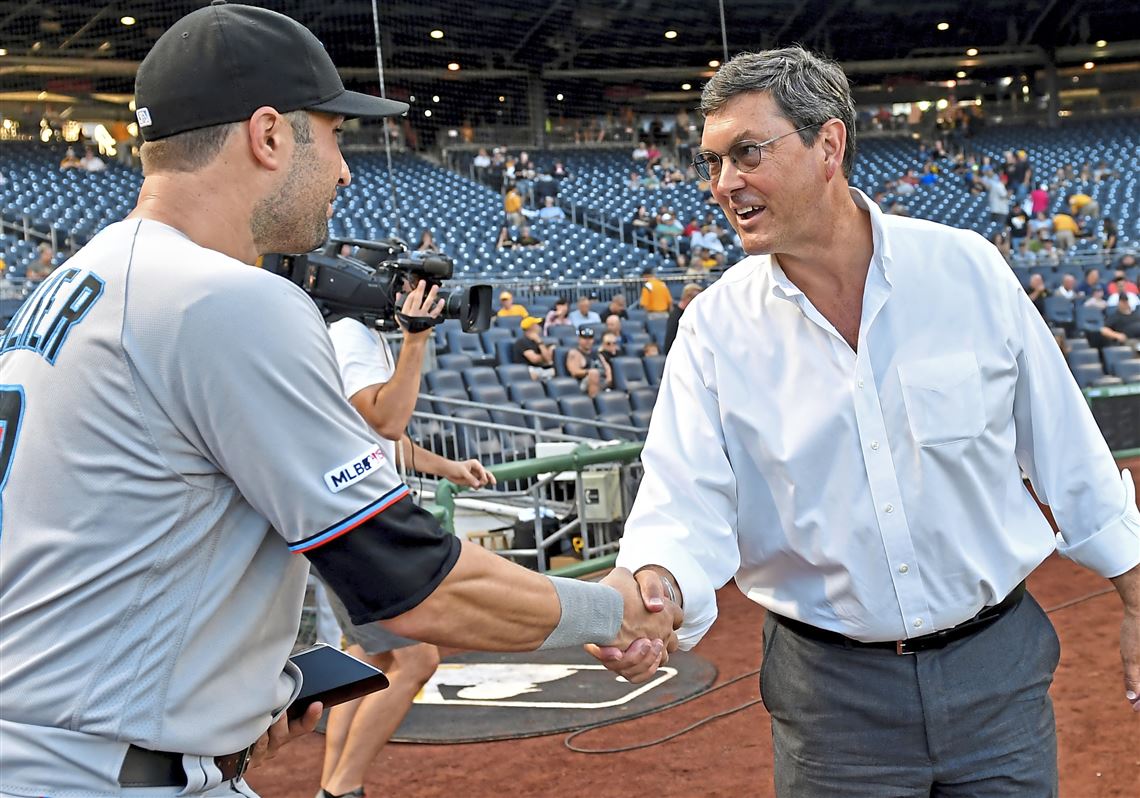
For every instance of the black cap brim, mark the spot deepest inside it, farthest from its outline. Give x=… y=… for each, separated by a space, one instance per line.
x=354 y=105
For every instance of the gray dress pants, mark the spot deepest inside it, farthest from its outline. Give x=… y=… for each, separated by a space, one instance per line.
x=971 y=719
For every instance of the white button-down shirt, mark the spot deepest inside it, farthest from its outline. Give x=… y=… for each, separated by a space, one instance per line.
x=874 y=493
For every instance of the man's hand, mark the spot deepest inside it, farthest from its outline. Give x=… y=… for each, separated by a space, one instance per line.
x=648 y=626
x=470 y=473
x=283 y=732
x=418 y=305
x=1130 y=654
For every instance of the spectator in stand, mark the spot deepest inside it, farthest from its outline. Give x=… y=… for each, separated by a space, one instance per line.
x=907 y=184
x=702 y=261
x=560 y=172
x=512 y=206
x=70 y=160
x=1108 y=238
x=1068 y=288
x=611 y=347
x=91 y=161
x=617 y=307
x=504 y=241
x=42 y=266
x=482 y=163
x=641 y=220
x=427 y=243
x=529 y=350
x=1040 y=222
x=583 y=316
x=1096 y=300
x=549 y=212
x=1020 y=176
x=1037 y=292
x=650 y=181
x=584 y=364
x=545 y=187
x=656 y=300
x=1065 y=229
x=654 y=154
x=650 y=349
x=641 y=152
x=692 y=227
x=614 y=327
x=929 y=175
x=1122 y=324
x=1103 y=172
x=711 y=243
x=1127 y=261
x=1000 y=240
x=1040 y=199
x=1023 y=255
x=526 y=239
x=1083 y=205
x=687 y=294
x=1018 y=224
x=666 y=232
x=557 y=316
x=508 y=307
x=997 y=198
x=634 y=181
x=1048 y=254
x=1121 y=286
x=1091 y=283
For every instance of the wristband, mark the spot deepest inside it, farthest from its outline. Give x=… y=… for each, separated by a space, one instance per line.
x=591 y=613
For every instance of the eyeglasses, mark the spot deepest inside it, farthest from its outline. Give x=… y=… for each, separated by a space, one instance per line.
x=745 y=155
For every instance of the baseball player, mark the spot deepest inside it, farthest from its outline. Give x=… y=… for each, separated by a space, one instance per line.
x=175 y=450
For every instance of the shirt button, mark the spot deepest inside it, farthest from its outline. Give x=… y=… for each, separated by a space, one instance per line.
x=918 y=623
x=875 y=445
x=890 y=508
x=904 y=568
x=860 y=383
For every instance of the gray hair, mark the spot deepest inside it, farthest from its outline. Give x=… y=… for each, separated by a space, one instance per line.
x=809 y=89
x=196 y=149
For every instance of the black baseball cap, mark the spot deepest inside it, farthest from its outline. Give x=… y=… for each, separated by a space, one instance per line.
x=585 y=332
x=221 y=63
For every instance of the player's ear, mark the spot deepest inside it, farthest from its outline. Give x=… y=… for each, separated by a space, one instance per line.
x=267 y=132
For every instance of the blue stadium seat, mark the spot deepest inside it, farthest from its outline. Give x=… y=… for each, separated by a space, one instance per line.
x=656 y=328
x=609 y=403
x=629 y=373
x=577 y=405
x=654 y=368
x=480 y=443
x=513 y=372
x=480 y=376
x=641 y=418
x=445 y=380
x=562 y=386
x=549 y=406
x=459 y=342
x=1114 y=355
x=1059 y=310
x=643 y=398
x=505 y=352
x=580 y=429
x=525 y=391
x=1089 y=320
x=489 y=337
x=454 y=362
x=1087 y=374
x=488 y=394
x=610 y=433
x=508 y=323
x=1128 y=370
x=1082 y=357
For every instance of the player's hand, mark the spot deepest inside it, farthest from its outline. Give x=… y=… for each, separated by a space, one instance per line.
x=470 y=473
x=418 y=304
x=283 y=732
x=1130 y=654
x=648 y=627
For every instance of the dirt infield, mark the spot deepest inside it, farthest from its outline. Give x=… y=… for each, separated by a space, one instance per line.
x=1099 y=736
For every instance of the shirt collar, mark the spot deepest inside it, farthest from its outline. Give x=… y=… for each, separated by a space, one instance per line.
x=880 y=257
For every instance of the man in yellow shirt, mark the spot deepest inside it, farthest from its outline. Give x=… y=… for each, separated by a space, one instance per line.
x=507 y=306
x=1083 y=205
x=1065 y=229
x=655 y=296
x=512 y=206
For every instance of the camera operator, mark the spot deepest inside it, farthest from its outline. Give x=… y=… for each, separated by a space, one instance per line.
x=383 y=390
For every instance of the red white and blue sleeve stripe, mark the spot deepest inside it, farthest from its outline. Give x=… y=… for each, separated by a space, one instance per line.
x=352 y=522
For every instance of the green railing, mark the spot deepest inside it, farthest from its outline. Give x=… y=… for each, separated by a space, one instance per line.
x=576 y=460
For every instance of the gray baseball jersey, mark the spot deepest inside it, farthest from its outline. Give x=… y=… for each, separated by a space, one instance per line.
x=173 y=431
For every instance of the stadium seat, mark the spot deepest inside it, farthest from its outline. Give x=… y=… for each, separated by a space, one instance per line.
x=1089 y=320
x=1113 y=355
x=629 y=373
x=447 y=408
x=1128 y=370
x=480 y=376
x=1087 y=374
x=548 y=406
x=479 y=442
x=641 y=418
x=524 y=391
x=656 y=327
x=488 y=394
x=468 y=344
x=513 y=372
x=1081 y=357
x=577 y=405
x=1059 y=310
x=505 y=352
x=654 y=369
x=508 y=323
x=440 y=380
x=560 y=361
x=1074 y=344
x=610 y=433
x=489 y=337
x=643 y=398
x=562 y=386
x=610 y=403
x=580 y=429
x=454 y=362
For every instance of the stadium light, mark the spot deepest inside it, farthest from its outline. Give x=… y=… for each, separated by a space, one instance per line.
x=412 y=98
x=3 y=51
x=1089 y=64
x=558 y=97
x=434 y=99
x=714 y=63
x=670 y=34
x=436 y=34
x=502 y=99
x=128 y=21
x=686 y=86
x=1101 y=43
x=453 y=67
x=960 y=74
x=427 y=112
x=973 y=51
x=942 y=104
x=943 y=26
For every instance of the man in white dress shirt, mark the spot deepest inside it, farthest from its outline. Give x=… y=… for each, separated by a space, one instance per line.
x=850 y=454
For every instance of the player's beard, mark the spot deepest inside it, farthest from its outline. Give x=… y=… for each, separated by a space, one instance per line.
x=294 y=218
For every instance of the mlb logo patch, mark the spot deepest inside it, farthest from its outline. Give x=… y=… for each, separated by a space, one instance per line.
x=356 y=469
x=143 y=115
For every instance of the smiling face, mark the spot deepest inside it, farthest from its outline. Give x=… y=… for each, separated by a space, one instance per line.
x=775 y=206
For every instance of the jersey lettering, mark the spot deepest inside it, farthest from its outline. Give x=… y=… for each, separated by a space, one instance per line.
x=44 y=321
x=11 y=414
x=354 y=470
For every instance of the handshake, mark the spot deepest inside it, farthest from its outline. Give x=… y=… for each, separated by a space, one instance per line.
x=647 y=634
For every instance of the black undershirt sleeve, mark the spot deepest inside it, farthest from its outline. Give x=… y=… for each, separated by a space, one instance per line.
x=389 y=563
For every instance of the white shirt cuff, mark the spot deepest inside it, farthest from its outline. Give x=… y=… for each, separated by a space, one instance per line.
x=697 y=591
x=1115 y=548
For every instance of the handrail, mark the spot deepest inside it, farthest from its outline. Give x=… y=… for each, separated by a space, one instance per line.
x=583 y=455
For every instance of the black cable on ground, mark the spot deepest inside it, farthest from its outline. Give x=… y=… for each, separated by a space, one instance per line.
x=569 y=740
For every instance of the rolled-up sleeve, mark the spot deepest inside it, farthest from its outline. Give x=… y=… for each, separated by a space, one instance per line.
x=1065 y=456
x=684 y=517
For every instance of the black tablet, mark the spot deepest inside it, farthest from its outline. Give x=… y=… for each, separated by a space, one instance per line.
x=332 y=677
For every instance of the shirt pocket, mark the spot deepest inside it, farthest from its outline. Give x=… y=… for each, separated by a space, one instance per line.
x=943 y=398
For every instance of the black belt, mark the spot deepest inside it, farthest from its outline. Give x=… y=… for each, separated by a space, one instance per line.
x=145 y=768
x=928 y=642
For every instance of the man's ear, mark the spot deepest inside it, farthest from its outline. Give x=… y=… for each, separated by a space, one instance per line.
x=833 y=141
x=269 y=135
